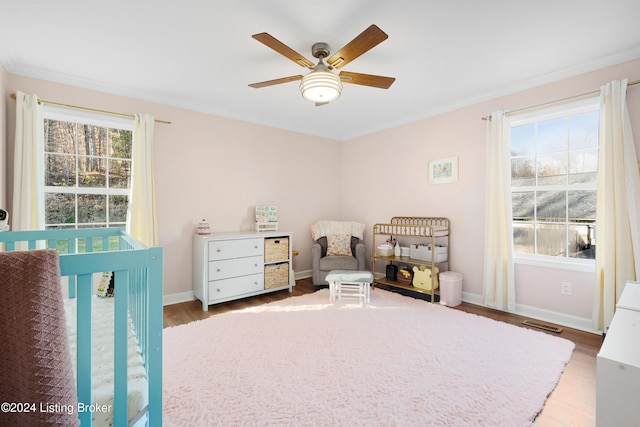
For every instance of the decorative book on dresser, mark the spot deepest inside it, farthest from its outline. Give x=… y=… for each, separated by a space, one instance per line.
x=234 y=265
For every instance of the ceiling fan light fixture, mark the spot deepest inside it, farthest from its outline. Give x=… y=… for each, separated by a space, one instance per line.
x=321 y=86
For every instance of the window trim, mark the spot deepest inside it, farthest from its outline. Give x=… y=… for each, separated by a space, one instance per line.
x=565 y=110
x=81 y=116
x=564 y=263
x=576 y=107
x=66 y=114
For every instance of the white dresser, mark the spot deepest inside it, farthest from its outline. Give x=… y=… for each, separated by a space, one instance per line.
x=618 y=365
x=234 y=265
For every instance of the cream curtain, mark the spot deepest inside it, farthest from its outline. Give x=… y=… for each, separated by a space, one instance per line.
x=617 y=204
x=498 y=282
x=28 y=165
x=141 y=218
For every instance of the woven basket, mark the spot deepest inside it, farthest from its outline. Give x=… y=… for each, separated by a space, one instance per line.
x=405 y=280
x=276 y=275
x=276 y=249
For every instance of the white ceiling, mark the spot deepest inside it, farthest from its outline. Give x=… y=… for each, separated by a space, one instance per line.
x=199 y=54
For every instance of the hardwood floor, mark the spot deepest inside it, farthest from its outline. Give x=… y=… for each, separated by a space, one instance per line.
x=572 y=402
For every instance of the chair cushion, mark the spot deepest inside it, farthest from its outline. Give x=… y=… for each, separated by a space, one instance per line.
x=339 y=244
x=338 y=262
x=323 y=246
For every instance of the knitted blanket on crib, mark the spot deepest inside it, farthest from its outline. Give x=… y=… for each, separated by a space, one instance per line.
x=36 y=377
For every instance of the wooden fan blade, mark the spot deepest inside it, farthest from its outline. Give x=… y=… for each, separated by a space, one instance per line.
x=275 y=44
x=366 y=79
x=276 y=81
x=368 y=39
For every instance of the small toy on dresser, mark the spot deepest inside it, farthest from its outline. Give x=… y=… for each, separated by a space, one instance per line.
x=203 y=228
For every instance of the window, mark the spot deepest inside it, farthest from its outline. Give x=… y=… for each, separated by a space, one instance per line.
x=554 y=161
x=87 y=169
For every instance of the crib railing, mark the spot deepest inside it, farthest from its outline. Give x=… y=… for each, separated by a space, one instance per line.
x=138 y=275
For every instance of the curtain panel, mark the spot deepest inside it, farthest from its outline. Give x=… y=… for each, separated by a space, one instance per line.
x=617 y=235
x=27 y=209
x=498 y=281
x=141 y=217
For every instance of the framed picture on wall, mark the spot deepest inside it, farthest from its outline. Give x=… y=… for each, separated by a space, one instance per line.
x=443 y=170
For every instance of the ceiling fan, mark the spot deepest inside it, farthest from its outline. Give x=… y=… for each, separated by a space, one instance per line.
x=321 y=85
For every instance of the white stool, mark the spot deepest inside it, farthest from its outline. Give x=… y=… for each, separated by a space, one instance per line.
x=350 y=283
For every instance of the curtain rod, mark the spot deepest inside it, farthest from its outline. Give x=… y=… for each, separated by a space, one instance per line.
x=557 y=101
x=95 y=110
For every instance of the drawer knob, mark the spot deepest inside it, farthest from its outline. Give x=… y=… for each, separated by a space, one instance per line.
x=218 y=250
x=218 y=290
x=218 y=270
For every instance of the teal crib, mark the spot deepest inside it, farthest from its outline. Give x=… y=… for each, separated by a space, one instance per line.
x=137 y=306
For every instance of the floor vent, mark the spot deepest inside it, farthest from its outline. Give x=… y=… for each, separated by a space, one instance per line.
x=542 y=326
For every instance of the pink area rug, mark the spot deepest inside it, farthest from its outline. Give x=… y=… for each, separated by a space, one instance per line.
x=396 y=362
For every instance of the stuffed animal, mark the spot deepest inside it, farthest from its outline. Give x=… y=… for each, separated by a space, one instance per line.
x=104 y=283
x=423 y=277
x=107 y=285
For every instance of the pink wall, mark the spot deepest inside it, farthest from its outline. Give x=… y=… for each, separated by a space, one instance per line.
x=396 y=162
x=219 y=169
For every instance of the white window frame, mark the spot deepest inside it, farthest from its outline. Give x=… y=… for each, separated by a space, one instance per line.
x=73 y=115
x=565 y=110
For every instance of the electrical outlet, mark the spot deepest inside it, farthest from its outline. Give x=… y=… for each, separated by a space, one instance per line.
x=565 y=288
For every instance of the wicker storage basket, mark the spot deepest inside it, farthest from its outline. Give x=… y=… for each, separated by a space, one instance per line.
x=276 y=249
x=276 y=275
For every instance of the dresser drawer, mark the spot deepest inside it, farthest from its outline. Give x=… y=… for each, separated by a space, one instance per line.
x=225 y=249
x=234 y=267
x=235 y=286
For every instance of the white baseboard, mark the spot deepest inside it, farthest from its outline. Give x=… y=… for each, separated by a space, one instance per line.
x=549 y=316
x=561 y=319
x=567 y=320
x=188 y=296
x=472 y=298
x=305 y=274
x=177 y=298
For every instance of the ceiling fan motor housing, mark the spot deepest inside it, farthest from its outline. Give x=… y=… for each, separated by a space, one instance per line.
x=320 y=50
